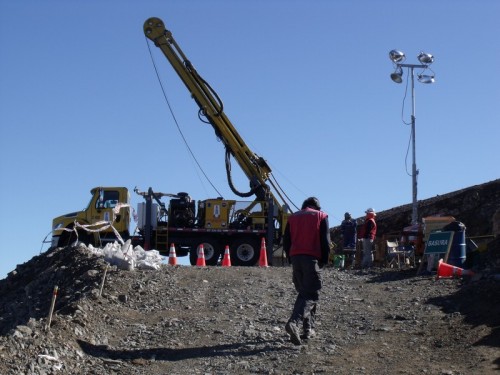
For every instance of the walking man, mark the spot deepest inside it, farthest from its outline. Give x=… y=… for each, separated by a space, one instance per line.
x=306 y=243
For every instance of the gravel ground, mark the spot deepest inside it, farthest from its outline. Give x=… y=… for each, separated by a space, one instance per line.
x=214 y=320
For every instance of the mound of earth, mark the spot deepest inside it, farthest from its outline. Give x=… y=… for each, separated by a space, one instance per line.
x=214 y=320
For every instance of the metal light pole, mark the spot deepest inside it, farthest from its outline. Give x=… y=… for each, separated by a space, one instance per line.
x=397 y=57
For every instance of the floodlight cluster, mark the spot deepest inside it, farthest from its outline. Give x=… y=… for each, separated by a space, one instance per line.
x=425 y=59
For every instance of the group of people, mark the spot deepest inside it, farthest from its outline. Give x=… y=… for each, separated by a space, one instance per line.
x=348 y=229
x=306 y=243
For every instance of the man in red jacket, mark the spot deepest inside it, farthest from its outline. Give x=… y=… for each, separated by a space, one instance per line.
x=306 y=243
x=370 y=231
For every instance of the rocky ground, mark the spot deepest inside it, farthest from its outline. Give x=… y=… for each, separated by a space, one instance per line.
x=214 y=320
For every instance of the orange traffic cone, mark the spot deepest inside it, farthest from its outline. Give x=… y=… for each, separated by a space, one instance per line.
x=226 y=261
x=263 y=254
x=200 y=262
x=172 y=258
x=446 y=270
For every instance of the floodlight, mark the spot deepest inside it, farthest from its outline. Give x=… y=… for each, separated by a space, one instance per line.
x=425 y=58
x=397 y=76
x=424 y=78
x=397 y=56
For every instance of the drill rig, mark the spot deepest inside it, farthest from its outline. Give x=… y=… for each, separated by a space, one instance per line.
x=269 y=210
x=182 y=221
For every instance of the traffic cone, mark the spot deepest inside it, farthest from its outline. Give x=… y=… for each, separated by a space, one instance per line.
x=226 y=261
x=446 y=270
x=172 y=258
x=200 y=262
x=263 y=254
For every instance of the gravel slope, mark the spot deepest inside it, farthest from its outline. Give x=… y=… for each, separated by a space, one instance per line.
x=213 y=320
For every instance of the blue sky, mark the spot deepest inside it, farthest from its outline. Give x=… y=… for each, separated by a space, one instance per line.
x=306 y=83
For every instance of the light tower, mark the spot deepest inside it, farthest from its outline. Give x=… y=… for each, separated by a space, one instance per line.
x=426 y=59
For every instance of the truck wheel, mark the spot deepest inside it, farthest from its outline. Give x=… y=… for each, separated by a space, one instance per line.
x=245 y=251
x=69 y=238
x=211 y=250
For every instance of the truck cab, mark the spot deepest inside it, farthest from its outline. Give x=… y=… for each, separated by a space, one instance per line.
x=107 y=211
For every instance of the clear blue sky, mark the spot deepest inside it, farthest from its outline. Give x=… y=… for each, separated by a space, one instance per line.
x=306 y=83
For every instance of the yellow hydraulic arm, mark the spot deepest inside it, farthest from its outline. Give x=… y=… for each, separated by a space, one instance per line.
x=255 y=167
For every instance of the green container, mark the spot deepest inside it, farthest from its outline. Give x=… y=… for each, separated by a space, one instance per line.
x=339 y=261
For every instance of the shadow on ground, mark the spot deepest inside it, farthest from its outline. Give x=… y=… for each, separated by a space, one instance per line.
x=166 y=354
x=479 y=304
x=389 y=274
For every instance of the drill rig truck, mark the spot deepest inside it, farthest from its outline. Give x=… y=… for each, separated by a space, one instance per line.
x=215 y=223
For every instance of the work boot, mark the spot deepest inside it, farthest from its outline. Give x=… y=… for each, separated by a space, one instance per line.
x=292 y=329
x=308 y=334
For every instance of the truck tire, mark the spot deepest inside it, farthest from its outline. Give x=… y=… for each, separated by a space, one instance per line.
x=69 y=238
x=211 y=249
x=245 y=251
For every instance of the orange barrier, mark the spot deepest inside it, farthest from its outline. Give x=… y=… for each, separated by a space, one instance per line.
x=172 y=257
x=226 y=261
x=263 y=254
x=446 y=270
x=200 y=262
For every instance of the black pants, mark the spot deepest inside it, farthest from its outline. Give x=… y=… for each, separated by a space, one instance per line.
x=307 y=280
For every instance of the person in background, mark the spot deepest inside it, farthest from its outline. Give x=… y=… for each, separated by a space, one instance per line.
x=370 y=231
x=348 y=230
x=306 y=243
